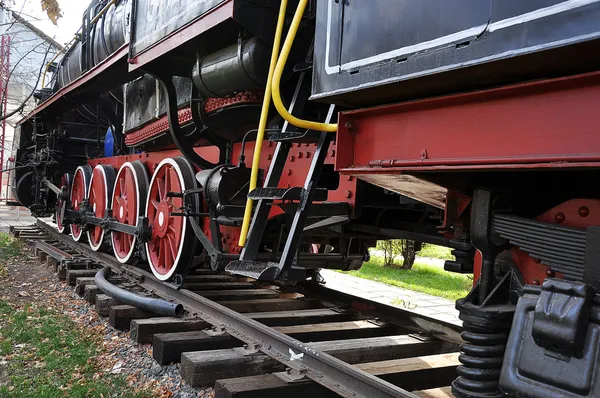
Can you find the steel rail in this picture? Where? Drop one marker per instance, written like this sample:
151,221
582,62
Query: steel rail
304,362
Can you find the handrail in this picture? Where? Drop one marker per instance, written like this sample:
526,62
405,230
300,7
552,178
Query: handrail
262,125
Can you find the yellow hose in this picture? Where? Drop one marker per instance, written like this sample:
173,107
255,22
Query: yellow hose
263,122
285,52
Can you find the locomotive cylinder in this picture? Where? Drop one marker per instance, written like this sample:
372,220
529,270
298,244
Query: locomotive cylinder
237,68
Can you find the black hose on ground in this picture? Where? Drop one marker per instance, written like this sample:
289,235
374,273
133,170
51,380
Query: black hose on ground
158,306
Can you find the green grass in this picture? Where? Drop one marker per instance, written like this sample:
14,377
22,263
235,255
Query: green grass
421,278
434,251
9,247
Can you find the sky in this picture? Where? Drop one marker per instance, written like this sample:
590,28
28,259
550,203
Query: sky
70,22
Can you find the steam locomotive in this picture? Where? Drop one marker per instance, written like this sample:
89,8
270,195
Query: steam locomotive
273,138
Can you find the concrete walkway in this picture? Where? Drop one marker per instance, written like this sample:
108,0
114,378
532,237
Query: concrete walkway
15,216
419,303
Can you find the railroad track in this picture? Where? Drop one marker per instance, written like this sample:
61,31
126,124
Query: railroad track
252,339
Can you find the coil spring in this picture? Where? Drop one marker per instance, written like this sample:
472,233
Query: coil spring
481,357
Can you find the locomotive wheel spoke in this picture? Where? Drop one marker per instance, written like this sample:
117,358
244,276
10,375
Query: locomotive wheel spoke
79,192
172,244
130,189
100,193
61,204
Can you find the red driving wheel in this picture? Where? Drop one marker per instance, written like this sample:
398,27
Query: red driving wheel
172,245
99,195
61,204
131,188
79,190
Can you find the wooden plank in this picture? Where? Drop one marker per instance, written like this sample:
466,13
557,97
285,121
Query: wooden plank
192,279
409,373
444,392
120,316
301,317
74,274
168,347
103,304
242,294
269,305
219,286
90,292
203,368
81,282
42,256
52,263
143,330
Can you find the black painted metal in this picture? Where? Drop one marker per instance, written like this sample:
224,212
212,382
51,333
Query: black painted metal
483,240
285,268
562,248
553,346
158,306
377,52
240,67
185,142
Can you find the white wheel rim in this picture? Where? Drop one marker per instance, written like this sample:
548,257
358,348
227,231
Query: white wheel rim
126,165
175,165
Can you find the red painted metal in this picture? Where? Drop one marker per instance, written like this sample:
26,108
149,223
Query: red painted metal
98,200
294,174
175,40
550,123
167,230
4,76
156,128
161,125
78,194
125,205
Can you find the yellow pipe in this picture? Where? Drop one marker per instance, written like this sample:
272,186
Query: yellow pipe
93,21
102,11
54,58
285,52
262,125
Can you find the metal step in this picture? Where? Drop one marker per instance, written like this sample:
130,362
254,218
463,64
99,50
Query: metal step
308,136
294,193
263,271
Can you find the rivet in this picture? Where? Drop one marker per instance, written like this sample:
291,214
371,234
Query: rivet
559,218
550,273
332,154
289,172
307,155
537,260
300,155
349,126
584,211
269,157
350,178
348,194
292,158
536,281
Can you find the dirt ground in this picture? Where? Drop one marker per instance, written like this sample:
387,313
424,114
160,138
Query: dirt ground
23,280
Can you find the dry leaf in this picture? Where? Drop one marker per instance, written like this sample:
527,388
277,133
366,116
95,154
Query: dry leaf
52,9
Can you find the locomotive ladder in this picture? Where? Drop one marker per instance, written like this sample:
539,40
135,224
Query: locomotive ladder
285,268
